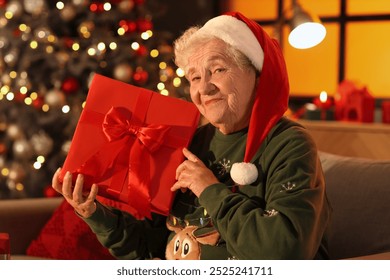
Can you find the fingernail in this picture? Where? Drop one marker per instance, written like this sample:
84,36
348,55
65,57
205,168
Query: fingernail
58,170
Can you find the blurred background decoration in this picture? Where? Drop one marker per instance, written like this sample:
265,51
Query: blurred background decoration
49,50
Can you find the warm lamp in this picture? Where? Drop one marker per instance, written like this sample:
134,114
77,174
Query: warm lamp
307,30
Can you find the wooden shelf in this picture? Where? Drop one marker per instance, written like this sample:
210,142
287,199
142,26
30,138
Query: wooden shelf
368,140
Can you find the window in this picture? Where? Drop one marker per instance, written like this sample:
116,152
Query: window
356,46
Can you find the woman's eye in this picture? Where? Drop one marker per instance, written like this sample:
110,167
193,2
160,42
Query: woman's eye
195,78
219,70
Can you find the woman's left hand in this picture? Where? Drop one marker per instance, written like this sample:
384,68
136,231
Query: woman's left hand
193,174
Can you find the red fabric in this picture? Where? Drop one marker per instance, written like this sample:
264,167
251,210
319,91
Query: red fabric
67,237
271,100
4,243
138,167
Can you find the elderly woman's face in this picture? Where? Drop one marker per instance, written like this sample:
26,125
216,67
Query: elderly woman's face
222,91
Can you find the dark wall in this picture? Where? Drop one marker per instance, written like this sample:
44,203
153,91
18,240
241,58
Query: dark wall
177,15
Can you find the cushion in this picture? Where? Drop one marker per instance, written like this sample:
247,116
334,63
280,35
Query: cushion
359,192
67,237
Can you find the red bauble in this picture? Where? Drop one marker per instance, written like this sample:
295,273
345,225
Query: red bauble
38,102
70,85
68,42
140,77
141,51
144,24
19,97
128,25
96,7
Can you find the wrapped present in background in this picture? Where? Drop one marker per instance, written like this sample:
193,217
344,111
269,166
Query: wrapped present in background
129,142
354,102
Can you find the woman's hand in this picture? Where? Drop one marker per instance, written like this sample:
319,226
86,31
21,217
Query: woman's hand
83,203
193,174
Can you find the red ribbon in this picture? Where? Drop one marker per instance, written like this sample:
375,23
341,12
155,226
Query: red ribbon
119,124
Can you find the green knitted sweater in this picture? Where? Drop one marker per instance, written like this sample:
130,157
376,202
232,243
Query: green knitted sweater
283,215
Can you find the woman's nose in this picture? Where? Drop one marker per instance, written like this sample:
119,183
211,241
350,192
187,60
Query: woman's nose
206,87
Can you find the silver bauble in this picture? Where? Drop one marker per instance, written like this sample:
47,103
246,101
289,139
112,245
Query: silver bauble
42,143
22,149
14,131
55,98
123,72
34,7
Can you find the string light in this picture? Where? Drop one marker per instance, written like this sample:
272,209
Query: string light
91,51
60,5
176,82
135,46
145,35
165,92
107,6
154,53
8,15
5,171
121,31
28,101
160,86
113,46
75,46
23,27
19,187
72,53
33,95
10,96
41,159
13,74
101,46
49,49
65,109
33,44
45,108
37,165
4,89
23,90
162,65
180,72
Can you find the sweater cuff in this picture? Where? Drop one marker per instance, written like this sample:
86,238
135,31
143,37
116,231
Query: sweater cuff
102,220
212,197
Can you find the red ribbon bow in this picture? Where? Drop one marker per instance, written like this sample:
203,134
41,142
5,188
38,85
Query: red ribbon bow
118,123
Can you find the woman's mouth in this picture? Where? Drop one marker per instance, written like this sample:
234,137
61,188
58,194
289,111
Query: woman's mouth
212,101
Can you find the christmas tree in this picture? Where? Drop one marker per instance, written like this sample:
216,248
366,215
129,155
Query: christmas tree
49,51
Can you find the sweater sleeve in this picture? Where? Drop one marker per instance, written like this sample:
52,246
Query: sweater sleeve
288,216
125,236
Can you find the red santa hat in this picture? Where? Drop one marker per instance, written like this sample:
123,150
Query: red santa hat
271,101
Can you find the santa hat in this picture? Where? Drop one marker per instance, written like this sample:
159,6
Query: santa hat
272,92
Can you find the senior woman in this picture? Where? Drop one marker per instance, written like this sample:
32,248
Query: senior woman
251,186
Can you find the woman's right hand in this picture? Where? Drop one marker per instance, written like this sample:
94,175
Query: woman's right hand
83,203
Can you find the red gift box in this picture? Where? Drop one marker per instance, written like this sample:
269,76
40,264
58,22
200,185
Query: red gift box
129,142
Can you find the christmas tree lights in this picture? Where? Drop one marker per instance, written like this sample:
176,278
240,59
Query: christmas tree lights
49,51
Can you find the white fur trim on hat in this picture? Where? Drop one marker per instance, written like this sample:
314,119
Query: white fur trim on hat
236,33
244,173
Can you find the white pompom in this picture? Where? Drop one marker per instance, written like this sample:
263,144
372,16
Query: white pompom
244,173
